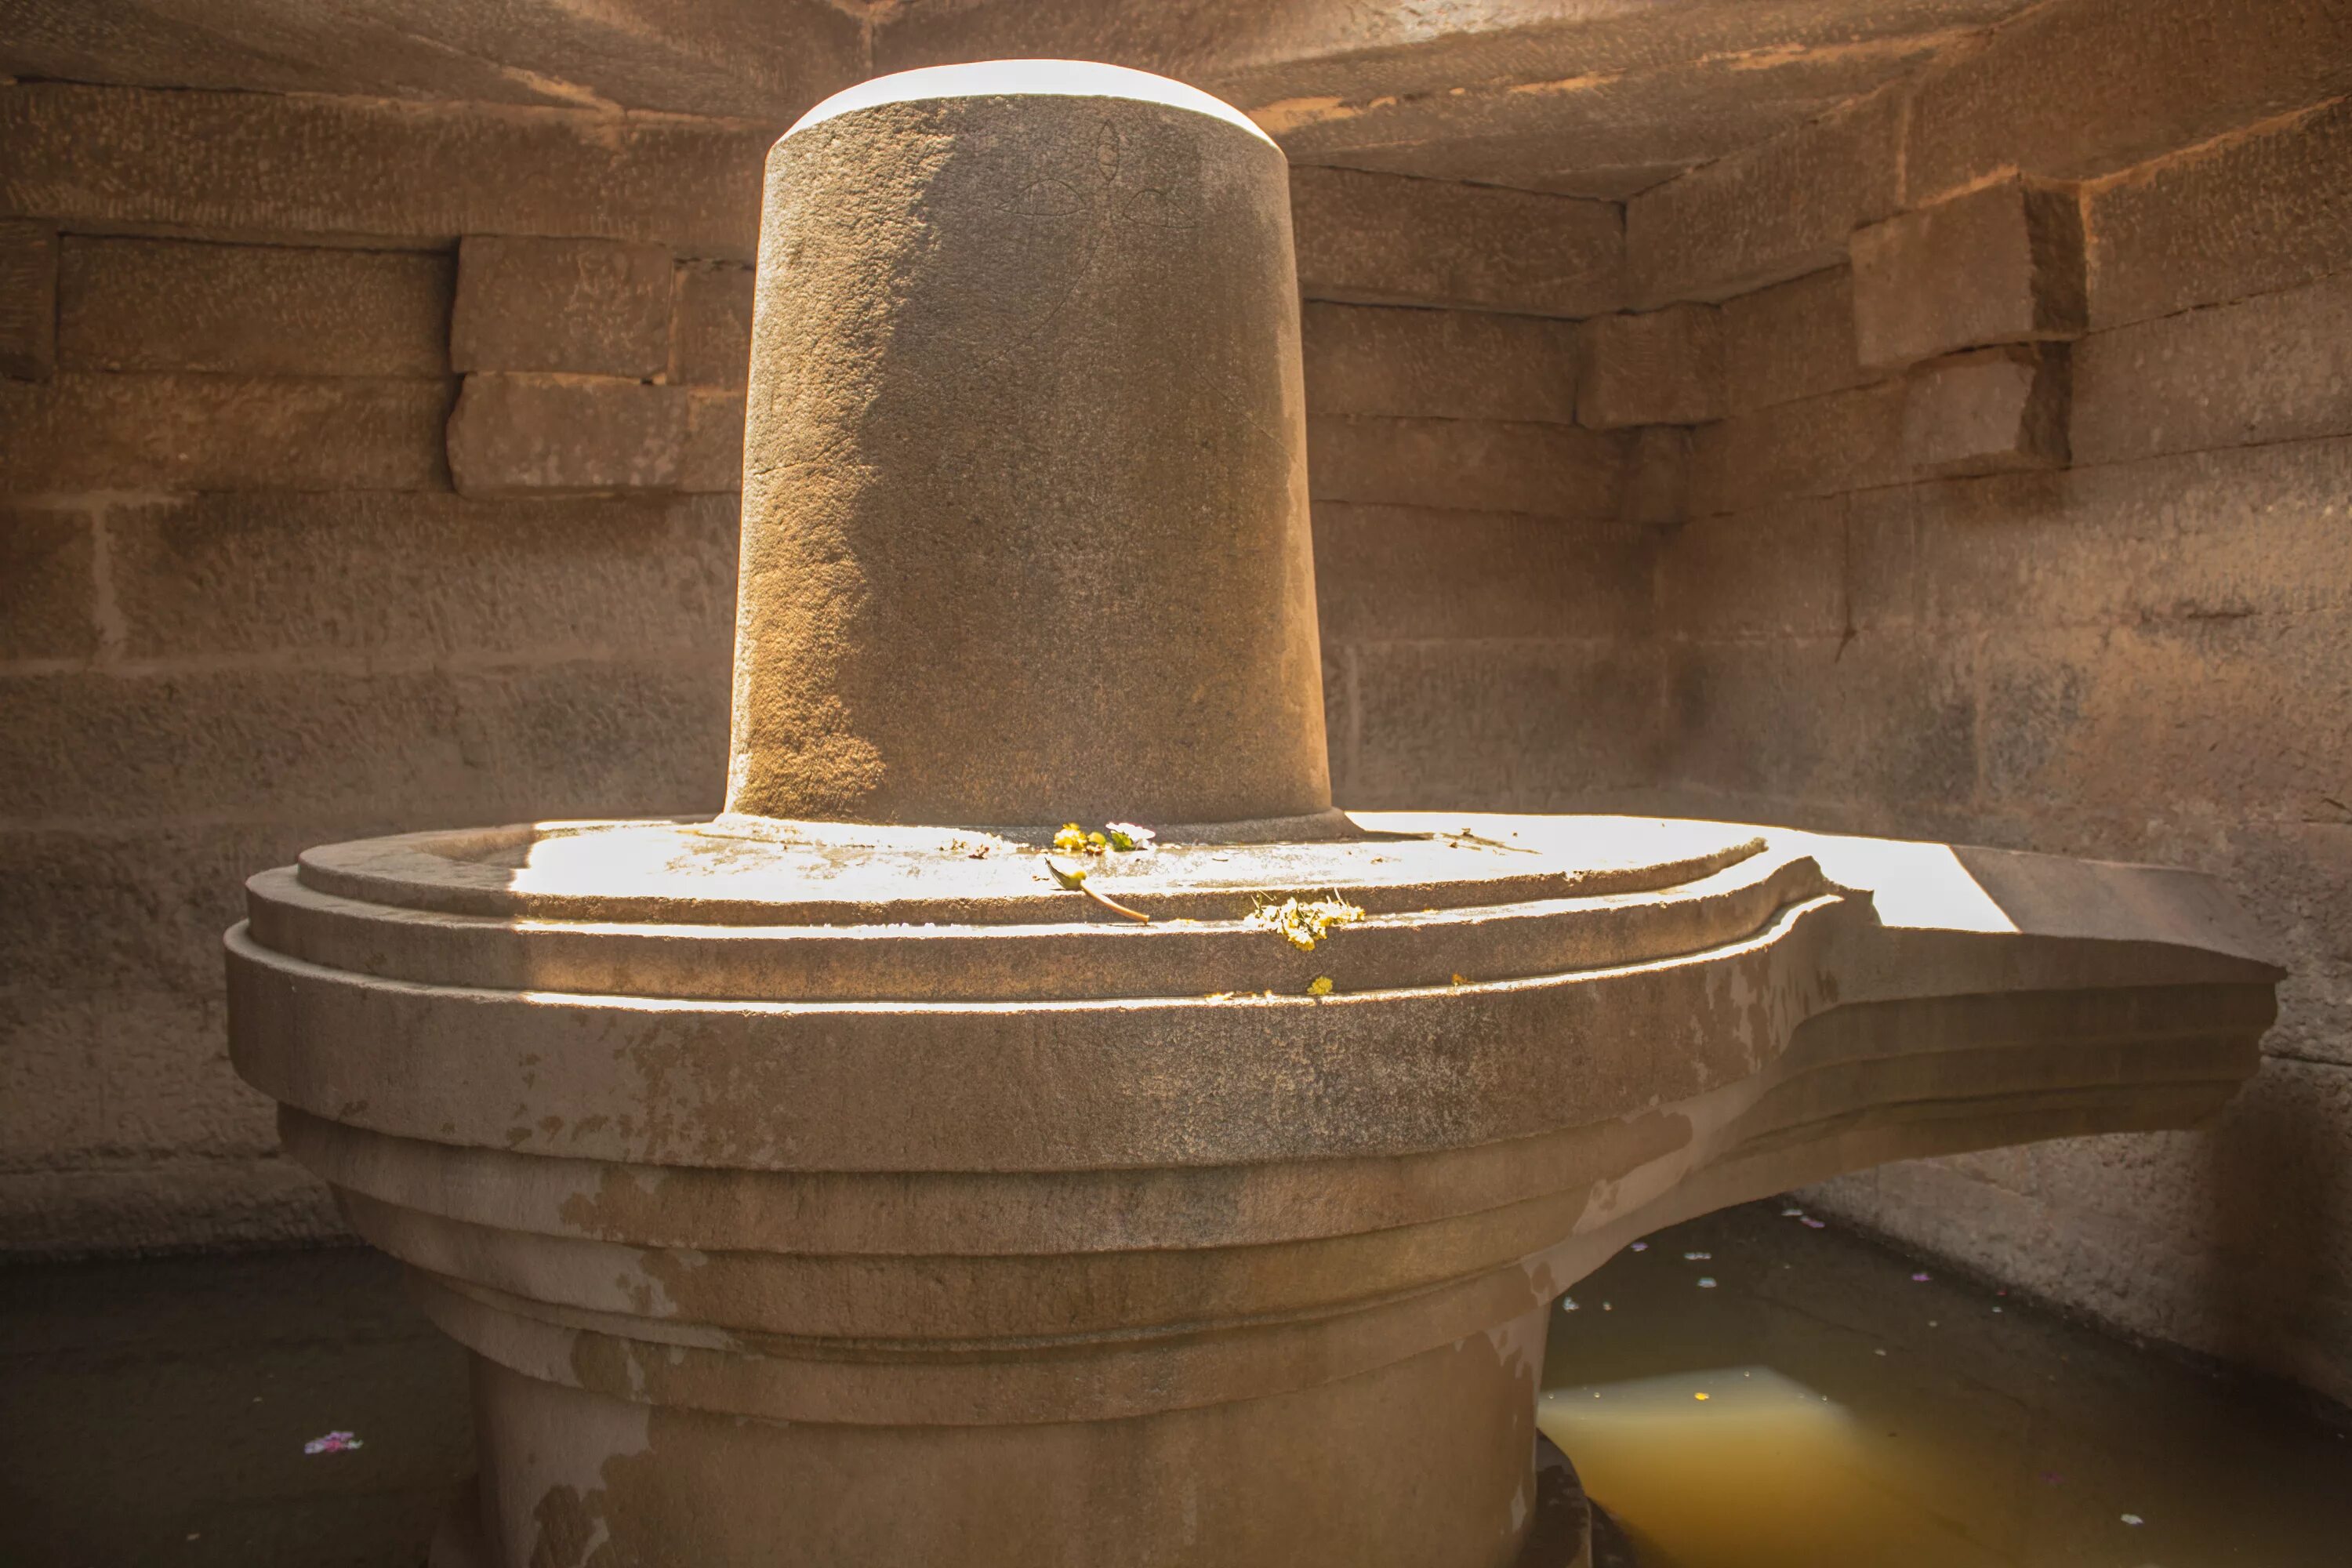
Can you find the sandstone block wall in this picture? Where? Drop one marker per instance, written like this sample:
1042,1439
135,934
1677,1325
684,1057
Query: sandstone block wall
2030,523
361,466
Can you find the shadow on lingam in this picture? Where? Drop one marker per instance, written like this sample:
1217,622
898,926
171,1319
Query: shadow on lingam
880,1174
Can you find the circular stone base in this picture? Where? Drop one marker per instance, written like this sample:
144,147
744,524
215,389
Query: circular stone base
1567,1531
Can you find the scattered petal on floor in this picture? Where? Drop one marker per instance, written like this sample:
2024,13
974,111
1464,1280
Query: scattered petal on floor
1792,1213
2133,1519
1695,1257
332,1443
1706,1281
1816,1223
1698,1397
1639,1246
1567,1303
1918,1280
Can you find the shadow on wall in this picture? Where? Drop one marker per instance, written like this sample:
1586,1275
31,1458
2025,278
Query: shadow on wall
2274,1171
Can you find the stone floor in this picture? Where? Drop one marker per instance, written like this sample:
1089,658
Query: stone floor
157,1413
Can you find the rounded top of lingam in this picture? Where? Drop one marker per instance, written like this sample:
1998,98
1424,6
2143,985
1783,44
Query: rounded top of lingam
1024,499
1027,79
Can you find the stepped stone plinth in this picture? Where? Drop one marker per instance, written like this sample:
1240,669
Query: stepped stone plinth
846,1180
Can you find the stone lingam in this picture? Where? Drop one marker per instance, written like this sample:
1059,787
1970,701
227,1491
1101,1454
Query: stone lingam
854,1179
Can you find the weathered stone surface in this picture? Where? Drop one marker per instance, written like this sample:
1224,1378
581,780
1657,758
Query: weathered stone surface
2248,215
155,304
149,432
530,435
1846,441
1774,574
1107,394
710,336
1522,724
1885,720
698,60
2002,264
1404,573
52,1105
1987,410
713,460
1587,130
1656,486
1446,365
2243,715
2277,367
447,578
587,307
110,906
179,1203
574,740
1388,239
48,589
1761,216
2221,1241
1549,470
1661,367
265,165
2213,536
2088,87
1793,339
28,301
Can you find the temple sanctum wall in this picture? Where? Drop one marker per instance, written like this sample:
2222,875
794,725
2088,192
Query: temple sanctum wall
1970,459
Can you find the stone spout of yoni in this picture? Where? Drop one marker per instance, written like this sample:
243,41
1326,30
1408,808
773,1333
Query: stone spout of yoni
839,1184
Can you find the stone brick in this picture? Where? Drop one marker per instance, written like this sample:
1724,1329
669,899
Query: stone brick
28,301
1656,486
52,1106
2241,717
109,905
154,1068
1791,341
246,165
1549,470
241,1203
1777,572
2090,87
2000,264
710,336
713,460
444,576
1446,365
167,1080
2210,536
1388,239
1991,409
2259,212
1503,725
155,304
526,435
150,432
1885,720
421,748
2277,367
1403,573
587,307
1775,212
48,591
1822,446
1662,367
